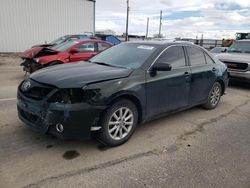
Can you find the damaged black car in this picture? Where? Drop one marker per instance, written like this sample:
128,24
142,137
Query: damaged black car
118,89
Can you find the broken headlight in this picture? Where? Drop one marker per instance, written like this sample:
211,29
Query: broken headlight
36,60
67,96
75,95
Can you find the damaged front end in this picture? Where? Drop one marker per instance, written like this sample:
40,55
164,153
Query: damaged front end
30,65
65,113
31,58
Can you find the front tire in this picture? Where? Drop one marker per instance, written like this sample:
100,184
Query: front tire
214,96
118,123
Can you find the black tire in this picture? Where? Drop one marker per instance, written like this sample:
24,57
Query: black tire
210,104
104,136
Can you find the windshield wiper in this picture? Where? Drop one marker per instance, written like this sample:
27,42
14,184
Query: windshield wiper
236,51
105,64
102,63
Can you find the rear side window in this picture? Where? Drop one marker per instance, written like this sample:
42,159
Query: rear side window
196,56
174,56
102,46
208,59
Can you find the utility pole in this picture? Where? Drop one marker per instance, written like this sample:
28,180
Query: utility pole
160,24
126,39
147,28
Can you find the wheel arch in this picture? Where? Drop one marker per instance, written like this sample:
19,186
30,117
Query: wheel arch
131,97
221,82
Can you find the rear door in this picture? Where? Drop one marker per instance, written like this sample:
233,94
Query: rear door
168,90
203,74
85,52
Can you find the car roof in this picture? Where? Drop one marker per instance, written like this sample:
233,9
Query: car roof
92,40
162,43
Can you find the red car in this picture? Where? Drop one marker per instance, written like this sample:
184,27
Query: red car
67,52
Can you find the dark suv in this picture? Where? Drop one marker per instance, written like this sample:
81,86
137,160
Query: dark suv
119,88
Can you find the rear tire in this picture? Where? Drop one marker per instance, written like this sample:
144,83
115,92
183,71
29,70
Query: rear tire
118,123
213,96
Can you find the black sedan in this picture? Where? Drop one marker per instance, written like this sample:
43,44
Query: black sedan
121,87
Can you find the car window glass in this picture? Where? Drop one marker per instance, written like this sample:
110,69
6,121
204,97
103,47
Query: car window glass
102,46
208,59
196,56
64,46
127,55
174,56
86,47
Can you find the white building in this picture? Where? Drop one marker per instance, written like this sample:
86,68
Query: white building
24,23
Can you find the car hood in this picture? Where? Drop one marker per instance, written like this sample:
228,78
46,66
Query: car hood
76,75
38,52
234,57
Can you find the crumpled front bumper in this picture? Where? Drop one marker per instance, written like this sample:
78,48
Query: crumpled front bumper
30,65
77,119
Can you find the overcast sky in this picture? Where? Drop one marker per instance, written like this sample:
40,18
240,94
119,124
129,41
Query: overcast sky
181,18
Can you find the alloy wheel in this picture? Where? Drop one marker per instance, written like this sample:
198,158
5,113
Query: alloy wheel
120,123
215,95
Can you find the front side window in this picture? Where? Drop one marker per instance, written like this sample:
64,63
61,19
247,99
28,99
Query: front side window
196,56
174,56
86,47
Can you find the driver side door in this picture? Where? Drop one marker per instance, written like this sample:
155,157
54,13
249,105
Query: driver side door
168,90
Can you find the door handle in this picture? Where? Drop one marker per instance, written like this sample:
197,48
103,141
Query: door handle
186,74
213,69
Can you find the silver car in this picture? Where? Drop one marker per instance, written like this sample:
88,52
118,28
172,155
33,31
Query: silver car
237,59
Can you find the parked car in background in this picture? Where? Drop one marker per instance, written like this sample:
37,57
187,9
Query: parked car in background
109,38
67,52
237,60
217,50
62,40
242,36
119,88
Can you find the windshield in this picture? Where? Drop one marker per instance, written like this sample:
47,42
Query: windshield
59,40
240,47
65,45
127,55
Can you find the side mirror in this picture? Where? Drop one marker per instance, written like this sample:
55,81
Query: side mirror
162,67
73,51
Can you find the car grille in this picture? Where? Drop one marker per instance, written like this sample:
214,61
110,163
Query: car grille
236,65
37,91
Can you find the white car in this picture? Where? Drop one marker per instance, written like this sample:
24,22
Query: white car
237,60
